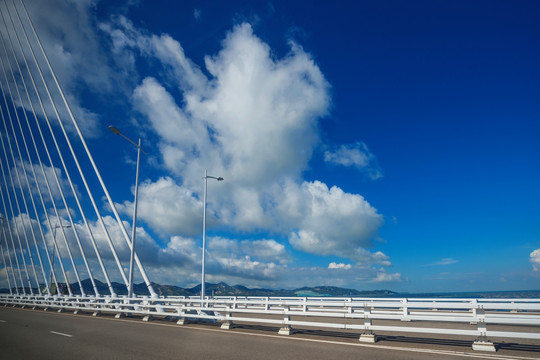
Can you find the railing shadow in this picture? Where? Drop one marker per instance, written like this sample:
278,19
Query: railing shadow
460,343
426,340
519,347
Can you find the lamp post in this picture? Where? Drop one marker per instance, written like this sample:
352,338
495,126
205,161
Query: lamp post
132,257
205,178
55,248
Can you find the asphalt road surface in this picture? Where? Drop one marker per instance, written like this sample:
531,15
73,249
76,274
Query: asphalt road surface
36,334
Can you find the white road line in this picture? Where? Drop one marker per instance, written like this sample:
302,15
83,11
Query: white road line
3,321
59,333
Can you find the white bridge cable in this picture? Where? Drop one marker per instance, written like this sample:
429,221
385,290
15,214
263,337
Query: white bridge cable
56,248
21,214
100,218
5,220
68,248
67,174
83,141
22,162
89,271
3,239
6,267
37,152
38,187
13,216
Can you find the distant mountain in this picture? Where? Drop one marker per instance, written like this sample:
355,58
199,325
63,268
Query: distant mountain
337,291
223,289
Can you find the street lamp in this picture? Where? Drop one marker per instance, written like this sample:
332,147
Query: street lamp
205,178
132,257
56,248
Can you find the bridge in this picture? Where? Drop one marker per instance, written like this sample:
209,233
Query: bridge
53,234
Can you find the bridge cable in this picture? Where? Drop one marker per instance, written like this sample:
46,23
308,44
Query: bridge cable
16,170
83,141
43,170
69,214
38,187
3,235
100,218
13,216
68,248
22,160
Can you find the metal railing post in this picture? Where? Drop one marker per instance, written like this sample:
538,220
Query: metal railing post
367,336
286,326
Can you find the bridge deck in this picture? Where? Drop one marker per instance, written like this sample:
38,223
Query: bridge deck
26,333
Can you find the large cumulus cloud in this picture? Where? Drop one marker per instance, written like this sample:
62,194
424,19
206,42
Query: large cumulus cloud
252,118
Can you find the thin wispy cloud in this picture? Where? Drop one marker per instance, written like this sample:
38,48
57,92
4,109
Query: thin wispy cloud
197,13
444,262
355,155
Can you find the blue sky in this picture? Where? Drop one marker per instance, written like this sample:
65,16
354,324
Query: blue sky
364,144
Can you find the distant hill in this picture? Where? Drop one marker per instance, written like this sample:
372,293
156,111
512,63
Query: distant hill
223,289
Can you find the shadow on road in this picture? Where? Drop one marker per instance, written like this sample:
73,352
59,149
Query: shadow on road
460,343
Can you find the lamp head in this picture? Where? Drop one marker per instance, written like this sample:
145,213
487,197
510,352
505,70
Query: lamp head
114,130
220,179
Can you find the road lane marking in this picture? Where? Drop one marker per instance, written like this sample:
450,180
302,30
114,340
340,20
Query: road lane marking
59,333
3,321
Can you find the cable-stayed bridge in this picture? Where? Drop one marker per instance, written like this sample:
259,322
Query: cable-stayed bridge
53,231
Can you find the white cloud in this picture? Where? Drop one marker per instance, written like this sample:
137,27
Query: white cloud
197,14
334,265
263,249
355,155
255,123
178,252
268,249
68,34
383,276
258,260
336,223
534,258
444,261
181,138
51,173
256,117
168,208
264,111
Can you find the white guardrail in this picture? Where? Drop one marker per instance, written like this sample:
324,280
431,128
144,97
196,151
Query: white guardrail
506,318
